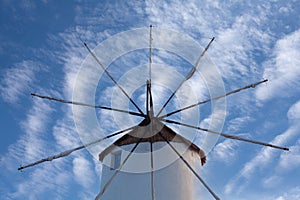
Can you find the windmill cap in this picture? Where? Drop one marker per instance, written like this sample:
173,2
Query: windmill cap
160,133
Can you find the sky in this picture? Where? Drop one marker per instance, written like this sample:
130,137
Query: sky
42,52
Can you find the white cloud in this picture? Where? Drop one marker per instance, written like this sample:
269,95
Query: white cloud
64,131
35,127
294,112
181,15
290,160
71,54
52,178
238,37
283,70
292,194
31,146
83,172
110,14
45,179
236,124
17,81
260,161
235,45
272,181
264,157
225,151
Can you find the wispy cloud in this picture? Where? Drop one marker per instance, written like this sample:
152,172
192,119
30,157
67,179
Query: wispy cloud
35,127
64,132
83,172
17,81
46,178
31,146
283,69
264,157
294,112
260,161
35,144
236,124
237,37
225,151
292,194
291,160
272,181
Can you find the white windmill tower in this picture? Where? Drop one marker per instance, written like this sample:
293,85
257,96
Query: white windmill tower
170,182
155,143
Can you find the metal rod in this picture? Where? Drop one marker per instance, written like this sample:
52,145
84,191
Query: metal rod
150,112
99,196
87,105
110,76
150,53
147,97
233,137
191,73
68,152
190,167
215,98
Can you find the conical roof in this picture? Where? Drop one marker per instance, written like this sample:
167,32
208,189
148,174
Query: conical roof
148,131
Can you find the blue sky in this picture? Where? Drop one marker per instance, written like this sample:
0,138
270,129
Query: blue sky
41,51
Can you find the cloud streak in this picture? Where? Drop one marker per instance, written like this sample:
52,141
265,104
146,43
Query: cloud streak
17,80
264,157
283,70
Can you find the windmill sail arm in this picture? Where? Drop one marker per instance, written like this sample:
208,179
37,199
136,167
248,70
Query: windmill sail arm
191,73
150,54
112,78
68,152
253,85
228,135
85,104
50,158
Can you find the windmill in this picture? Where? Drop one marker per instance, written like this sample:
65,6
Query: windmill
147,136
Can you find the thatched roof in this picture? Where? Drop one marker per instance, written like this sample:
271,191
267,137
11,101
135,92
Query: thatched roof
143,133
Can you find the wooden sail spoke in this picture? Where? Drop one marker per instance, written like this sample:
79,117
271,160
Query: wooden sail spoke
112,78
87,105
68,152
190,74
233,137
253,85
150,53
